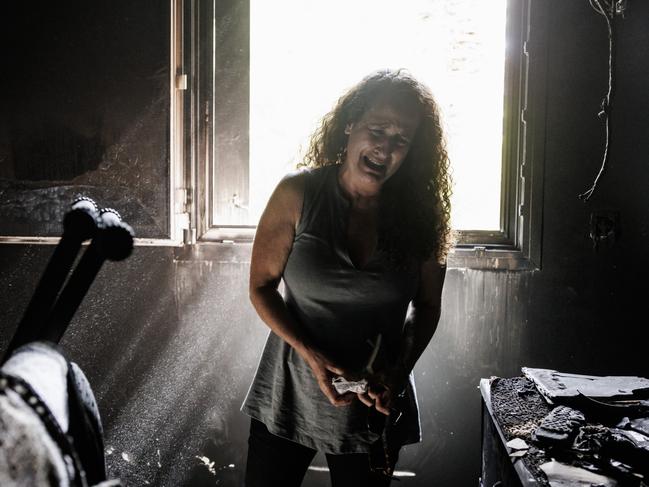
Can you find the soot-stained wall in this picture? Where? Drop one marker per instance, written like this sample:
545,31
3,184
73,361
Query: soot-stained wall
170,343
84,102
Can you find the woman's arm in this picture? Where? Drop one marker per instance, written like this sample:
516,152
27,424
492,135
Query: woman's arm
419,327
423,318
270,251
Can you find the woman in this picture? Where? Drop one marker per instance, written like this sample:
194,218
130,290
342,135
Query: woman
358,237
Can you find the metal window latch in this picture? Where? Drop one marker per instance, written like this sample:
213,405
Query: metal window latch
480,251
182,216
189,236
181,81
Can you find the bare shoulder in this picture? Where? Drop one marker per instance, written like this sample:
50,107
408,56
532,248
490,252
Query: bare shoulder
291,188
276,231
431,282
286,200
294,180
433,268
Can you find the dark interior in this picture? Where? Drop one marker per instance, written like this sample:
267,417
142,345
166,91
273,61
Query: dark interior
168,339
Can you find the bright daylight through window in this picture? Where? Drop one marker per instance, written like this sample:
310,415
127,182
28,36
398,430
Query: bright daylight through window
300,66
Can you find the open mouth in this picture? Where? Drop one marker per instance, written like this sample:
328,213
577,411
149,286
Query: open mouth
378,169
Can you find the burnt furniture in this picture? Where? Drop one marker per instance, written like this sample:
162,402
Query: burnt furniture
569,429
498,468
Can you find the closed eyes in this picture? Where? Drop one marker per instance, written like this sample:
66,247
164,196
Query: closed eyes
399,140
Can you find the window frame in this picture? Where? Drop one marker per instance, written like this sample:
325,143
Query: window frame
516,246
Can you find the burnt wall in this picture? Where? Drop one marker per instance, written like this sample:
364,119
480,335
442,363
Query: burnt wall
85,110
170,342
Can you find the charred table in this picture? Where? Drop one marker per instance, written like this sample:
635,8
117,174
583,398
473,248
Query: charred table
515,410
544,426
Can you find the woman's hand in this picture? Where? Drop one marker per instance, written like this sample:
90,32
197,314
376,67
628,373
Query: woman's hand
324,370
379,397
382,390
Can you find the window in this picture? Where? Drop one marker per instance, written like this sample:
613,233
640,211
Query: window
249,111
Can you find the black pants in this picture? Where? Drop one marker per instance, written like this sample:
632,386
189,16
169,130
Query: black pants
278,462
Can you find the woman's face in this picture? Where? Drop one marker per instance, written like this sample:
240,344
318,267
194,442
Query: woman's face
379,142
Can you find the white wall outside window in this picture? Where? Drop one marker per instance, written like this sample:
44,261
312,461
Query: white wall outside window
304,54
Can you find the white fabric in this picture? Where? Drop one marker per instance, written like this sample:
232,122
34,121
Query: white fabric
46,371
28,456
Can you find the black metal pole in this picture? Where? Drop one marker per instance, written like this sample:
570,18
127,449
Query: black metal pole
114,241
79,224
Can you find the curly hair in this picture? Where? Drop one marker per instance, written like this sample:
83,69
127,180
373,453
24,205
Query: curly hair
415,208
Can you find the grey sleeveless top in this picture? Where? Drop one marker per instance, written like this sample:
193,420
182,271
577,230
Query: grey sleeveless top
342,308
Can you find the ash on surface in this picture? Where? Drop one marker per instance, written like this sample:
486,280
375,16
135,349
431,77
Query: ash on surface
519,410
518,407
